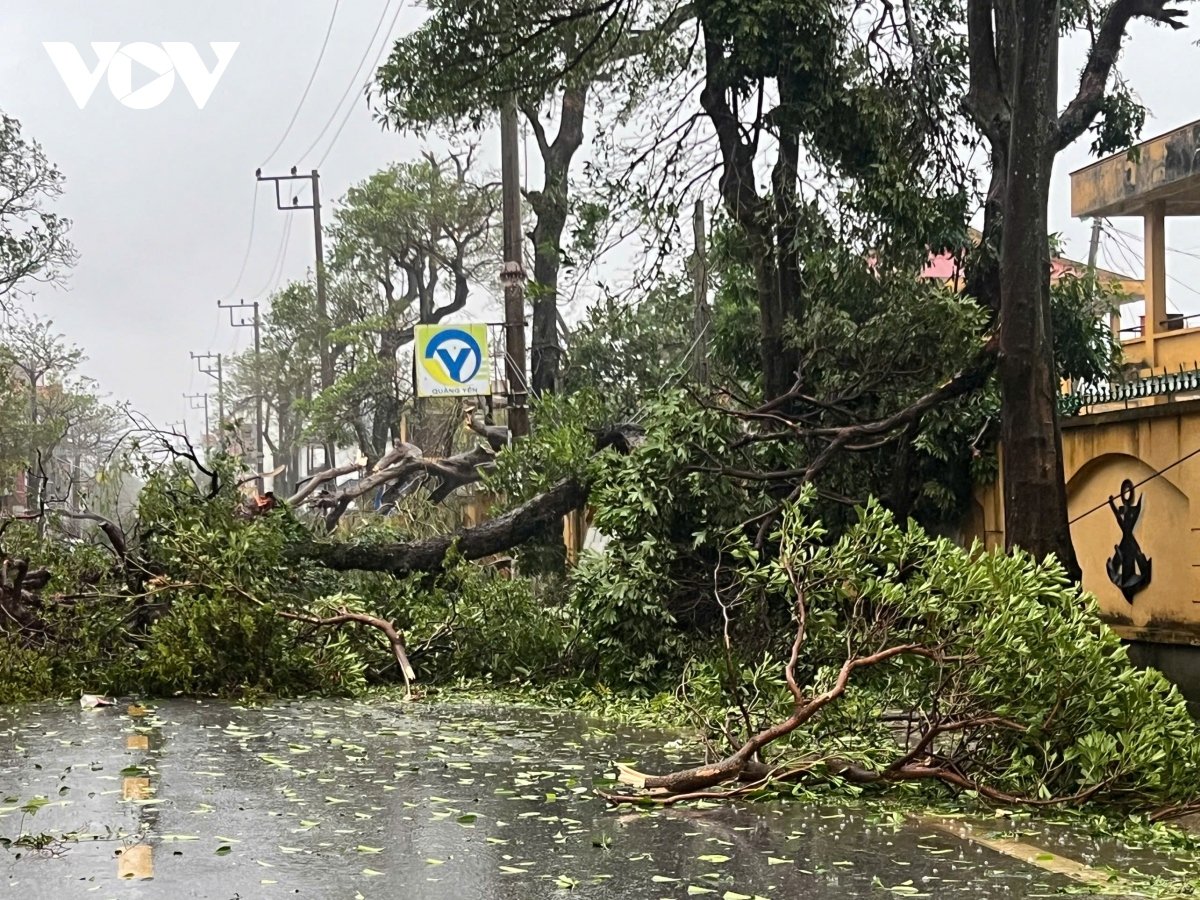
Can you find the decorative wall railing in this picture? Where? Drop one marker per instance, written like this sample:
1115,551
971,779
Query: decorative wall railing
1128,390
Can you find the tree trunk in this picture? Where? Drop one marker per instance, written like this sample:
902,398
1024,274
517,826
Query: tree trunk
783,362
1035,494
552,205
777,300
428,554
779,359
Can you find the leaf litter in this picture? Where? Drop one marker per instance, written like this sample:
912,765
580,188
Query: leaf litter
459,767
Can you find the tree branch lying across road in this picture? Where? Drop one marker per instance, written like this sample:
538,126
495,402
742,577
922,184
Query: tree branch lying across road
429,554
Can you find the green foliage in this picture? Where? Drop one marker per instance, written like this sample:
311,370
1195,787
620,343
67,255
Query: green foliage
1016,640
666,520
86,638
33,240
690,591
54,421
1120,122
459,67
559,448
197,609
476,623
1085,347
630,352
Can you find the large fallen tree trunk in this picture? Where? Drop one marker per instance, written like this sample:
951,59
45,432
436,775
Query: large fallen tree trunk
516,526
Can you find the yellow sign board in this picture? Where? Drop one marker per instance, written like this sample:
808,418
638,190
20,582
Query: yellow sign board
452,360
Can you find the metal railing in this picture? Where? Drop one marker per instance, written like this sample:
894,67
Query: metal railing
1128,390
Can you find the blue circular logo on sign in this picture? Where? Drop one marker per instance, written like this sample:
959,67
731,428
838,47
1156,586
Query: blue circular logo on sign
458,352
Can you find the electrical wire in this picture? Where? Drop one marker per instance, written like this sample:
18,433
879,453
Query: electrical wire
1141,261
287,231
675,377
249,246
307,87
378,56
1150,477
353,81
1140,239
287,246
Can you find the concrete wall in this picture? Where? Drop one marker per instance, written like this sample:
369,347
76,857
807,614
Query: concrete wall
1100,450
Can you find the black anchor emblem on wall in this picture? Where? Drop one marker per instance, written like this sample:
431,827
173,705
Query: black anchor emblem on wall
1129,569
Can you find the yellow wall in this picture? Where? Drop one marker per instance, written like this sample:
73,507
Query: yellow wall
1172,350
1100,451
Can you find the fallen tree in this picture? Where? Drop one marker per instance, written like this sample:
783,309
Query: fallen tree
396,474
913,659
895,657
504,532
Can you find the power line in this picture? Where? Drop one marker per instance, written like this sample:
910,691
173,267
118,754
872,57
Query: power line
1141,261
311,79
374,66
249,245
1151,477
287,230
287,244
353,79
1142,240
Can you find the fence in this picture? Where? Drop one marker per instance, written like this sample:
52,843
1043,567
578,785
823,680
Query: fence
1128,390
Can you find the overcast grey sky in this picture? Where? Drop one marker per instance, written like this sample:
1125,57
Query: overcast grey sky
161,198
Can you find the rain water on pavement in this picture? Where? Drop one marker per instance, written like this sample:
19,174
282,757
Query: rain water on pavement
361,801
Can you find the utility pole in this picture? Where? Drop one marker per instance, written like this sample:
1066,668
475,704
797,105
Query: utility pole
702,315
253,322
1114,318
218,373
204,397
322,297
512,275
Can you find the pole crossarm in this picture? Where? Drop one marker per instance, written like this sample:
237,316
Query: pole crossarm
219,374
277,180
243,323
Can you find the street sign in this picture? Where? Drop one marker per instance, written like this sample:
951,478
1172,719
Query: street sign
452,360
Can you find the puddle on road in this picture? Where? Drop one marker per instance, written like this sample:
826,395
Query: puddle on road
330,800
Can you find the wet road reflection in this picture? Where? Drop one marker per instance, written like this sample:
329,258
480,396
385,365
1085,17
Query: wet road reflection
345,800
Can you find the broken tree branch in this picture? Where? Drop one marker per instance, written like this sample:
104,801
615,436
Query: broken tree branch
1087,102
389,630
706,776
112,531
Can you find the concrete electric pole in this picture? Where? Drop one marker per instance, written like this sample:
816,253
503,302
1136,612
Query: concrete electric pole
217,373
253,322
204,405
512,275
314,179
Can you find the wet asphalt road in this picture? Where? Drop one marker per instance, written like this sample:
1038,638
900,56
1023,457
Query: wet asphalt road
365,802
